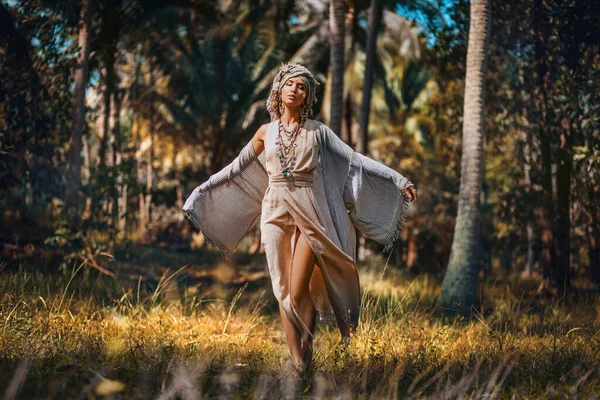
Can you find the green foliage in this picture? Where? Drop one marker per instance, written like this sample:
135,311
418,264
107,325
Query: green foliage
193,76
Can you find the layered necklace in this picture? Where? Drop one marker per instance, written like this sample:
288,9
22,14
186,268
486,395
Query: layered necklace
286,144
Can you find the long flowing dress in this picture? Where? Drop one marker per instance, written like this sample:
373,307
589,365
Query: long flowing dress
335,191
289,207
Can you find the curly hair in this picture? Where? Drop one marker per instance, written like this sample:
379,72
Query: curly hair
287,71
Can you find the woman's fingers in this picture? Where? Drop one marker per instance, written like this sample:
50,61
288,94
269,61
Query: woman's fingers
410,193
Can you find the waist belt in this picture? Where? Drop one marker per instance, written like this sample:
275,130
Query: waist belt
302,179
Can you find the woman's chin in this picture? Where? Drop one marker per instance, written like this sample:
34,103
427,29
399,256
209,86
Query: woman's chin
292,106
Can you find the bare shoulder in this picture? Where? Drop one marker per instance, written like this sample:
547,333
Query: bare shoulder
260,132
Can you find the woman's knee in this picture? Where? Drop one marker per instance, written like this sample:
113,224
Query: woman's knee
299,298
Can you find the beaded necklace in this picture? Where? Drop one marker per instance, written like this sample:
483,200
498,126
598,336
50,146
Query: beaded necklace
287,156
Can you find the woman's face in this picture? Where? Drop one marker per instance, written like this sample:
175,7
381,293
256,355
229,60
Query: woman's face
293,92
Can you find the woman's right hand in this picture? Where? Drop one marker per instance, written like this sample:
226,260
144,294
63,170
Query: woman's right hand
410,192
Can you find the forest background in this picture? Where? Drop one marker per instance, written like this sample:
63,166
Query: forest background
113,111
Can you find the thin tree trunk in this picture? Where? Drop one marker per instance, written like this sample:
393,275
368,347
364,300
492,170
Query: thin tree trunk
593,243
219,133
347,125
116,160
179,189
123,211
178,185
531,239
547,215
149,184
87,175
349,130
593,230
109,60
150,173
460,283
411,253
336,40
78,111
365,105
564,171
506,257
564,167
139,156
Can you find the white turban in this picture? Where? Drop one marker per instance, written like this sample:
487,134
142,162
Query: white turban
287,71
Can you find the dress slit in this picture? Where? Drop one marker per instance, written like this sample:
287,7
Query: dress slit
289,208
298,321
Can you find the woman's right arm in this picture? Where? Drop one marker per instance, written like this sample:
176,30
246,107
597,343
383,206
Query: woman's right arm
258,140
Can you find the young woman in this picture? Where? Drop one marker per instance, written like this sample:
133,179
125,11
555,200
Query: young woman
311,192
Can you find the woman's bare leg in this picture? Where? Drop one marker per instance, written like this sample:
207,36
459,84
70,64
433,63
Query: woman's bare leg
293,336
303,264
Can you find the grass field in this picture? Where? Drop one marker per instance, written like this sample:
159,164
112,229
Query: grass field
190,326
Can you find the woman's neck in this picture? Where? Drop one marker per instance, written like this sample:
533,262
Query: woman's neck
290,117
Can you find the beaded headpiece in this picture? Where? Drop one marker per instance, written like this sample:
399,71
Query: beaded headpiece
287,71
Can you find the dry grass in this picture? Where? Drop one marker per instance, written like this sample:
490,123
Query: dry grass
211,330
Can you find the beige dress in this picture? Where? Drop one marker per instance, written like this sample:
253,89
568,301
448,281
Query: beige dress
288,207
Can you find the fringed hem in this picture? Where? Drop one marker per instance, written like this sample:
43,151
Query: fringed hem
401,215
328,318
228,253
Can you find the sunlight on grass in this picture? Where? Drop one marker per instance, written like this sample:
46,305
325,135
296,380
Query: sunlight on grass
79,332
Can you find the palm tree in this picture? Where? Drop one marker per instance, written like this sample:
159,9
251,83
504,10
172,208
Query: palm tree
365,105
210,97
396,45
336,52
459,286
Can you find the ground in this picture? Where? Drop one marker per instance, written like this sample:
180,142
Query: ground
192,325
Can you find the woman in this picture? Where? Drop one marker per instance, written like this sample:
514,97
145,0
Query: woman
310,191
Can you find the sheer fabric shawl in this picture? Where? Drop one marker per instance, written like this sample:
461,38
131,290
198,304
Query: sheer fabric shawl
351,190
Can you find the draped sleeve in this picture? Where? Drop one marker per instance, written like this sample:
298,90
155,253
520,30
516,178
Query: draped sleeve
371,192
228,204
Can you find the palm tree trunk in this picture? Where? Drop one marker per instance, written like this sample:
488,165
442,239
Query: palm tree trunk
78,111
336,40
460,283
365,105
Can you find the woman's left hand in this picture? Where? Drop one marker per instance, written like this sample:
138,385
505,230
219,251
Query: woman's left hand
410,193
